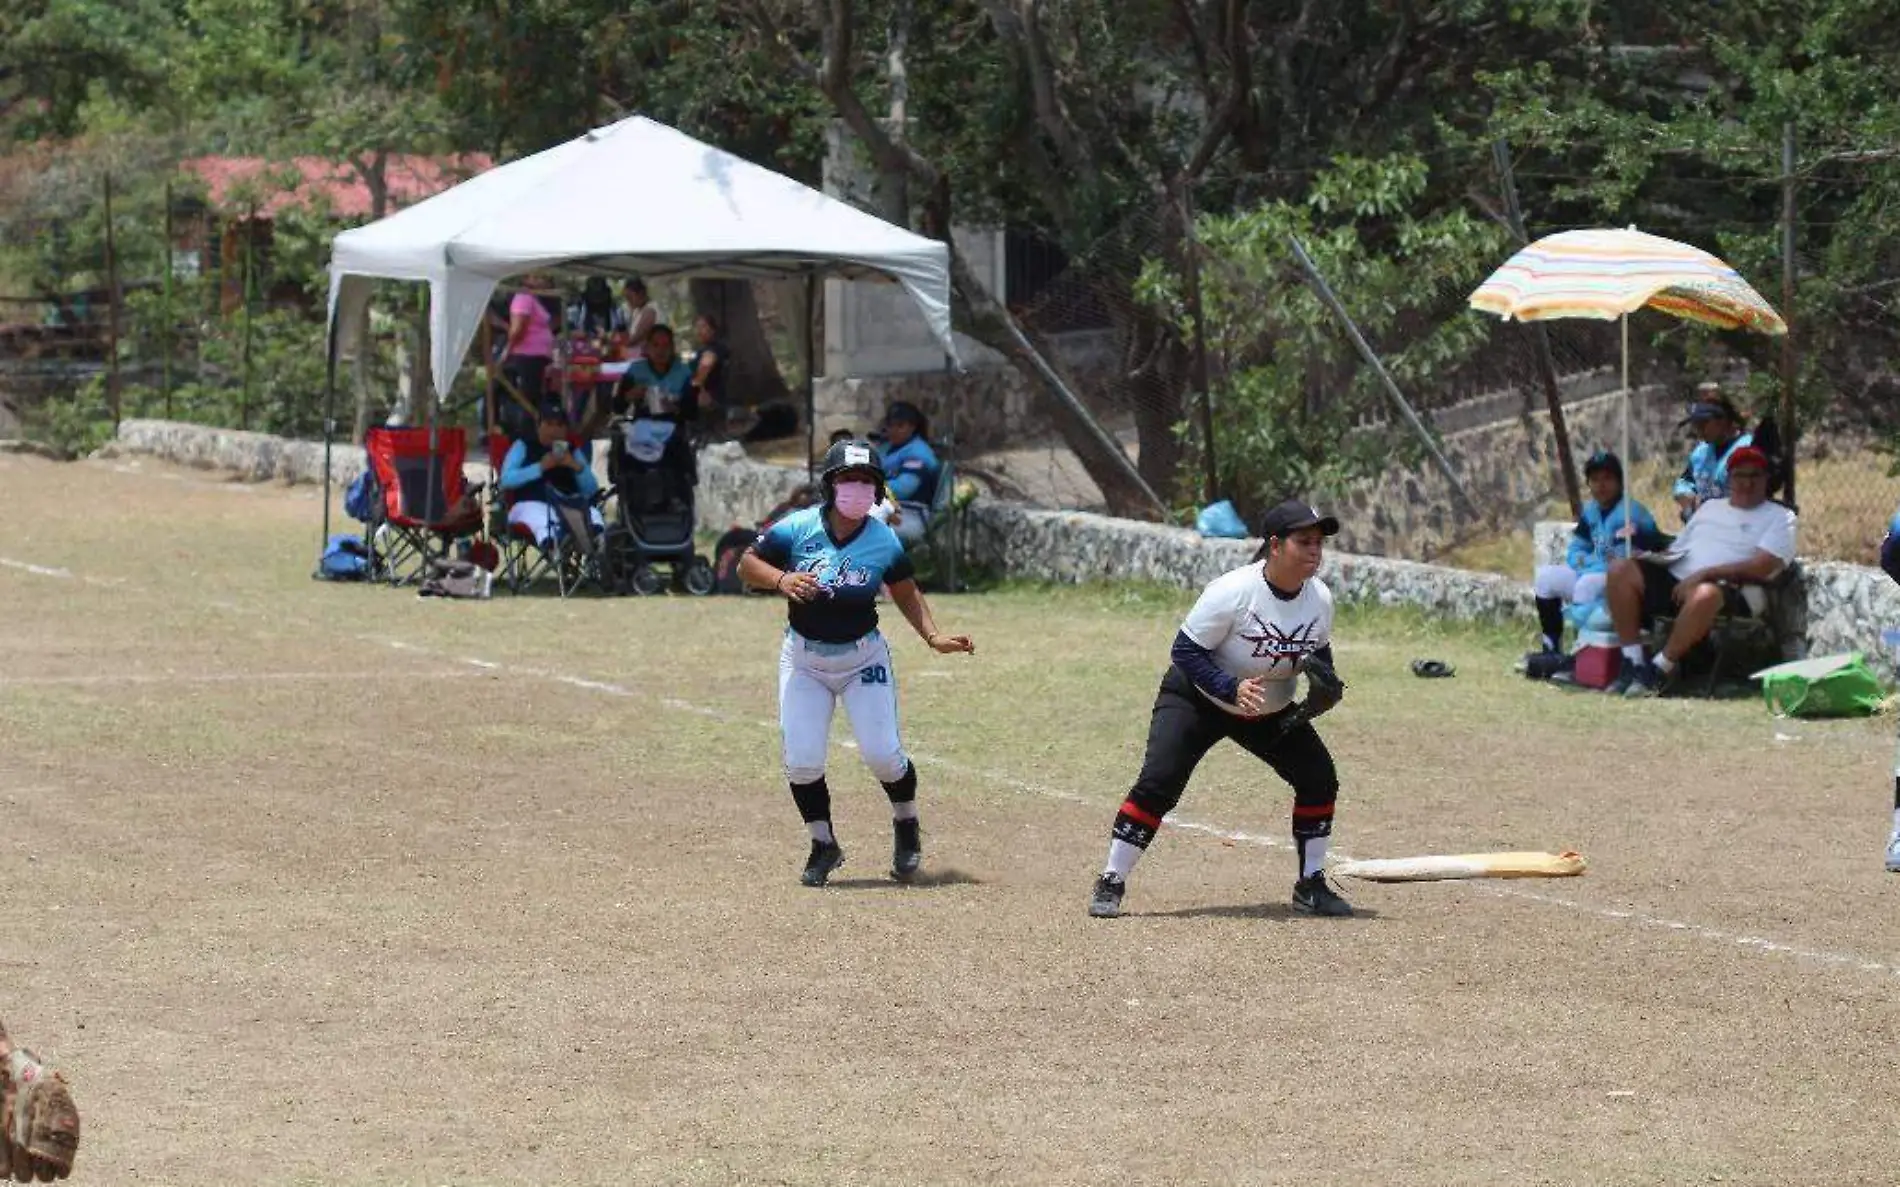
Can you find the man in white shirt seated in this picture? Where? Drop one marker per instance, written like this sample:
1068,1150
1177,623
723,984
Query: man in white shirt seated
1721,560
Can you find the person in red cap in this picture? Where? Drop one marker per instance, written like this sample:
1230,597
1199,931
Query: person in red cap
1724,555
1249,636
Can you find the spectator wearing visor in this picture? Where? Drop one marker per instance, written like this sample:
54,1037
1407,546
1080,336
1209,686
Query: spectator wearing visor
1719,427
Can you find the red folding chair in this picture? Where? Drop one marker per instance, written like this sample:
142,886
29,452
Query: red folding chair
426,503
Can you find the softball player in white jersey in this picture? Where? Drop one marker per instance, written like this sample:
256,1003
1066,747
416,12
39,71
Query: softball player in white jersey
829,562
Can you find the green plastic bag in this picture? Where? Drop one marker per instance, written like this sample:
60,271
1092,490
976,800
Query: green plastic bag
1831,686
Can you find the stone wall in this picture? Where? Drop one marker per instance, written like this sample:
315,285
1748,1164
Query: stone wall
1507,473
735,491
1846,606
1076,546
983,408
1014,540
252,457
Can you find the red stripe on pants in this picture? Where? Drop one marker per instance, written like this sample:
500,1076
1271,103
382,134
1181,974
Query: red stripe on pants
1132,810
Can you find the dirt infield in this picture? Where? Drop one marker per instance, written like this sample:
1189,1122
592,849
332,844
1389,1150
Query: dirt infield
318,884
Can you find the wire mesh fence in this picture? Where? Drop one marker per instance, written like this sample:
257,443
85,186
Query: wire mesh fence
1487,404
213,314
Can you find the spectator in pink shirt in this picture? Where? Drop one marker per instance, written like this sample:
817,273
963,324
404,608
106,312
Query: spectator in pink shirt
530,347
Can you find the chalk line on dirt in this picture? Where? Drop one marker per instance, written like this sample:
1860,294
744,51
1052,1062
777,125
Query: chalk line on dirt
1760,945
124,678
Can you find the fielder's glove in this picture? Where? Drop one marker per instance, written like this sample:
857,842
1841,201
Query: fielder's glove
1324,688
39,1127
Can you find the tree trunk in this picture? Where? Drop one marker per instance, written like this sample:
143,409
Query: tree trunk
1150,382
752,376
892,190
978,314
375,179
359,378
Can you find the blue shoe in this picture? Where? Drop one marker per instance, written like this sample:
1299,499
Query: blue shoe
1645,680
1626,670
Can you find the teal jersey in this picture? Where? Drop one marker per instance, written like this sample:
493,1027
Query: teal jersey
850,570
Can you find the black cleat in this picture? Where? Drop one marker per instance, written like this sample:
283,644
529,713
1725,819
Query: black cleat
826,856
907,849
1311,896
1106,902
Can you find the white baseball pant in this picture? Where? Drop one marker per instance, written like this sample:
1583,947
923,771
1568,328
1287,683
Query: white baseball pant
812,678
540,519
1562,581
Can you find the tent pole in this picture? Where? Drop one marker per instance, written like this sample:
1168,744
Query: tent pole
435,432
1629,541
950,437
488,374
329,430
811,369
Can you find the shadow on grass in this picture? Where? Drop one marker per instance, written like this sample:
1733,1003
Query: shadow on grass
924,880
1275,912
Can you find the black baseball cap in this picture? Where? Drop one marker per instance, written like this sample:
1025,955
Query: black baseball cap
1711,408
1293,516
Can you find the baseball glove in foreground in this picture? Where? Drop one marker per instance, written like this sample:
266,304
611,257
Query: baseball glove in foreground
39,1125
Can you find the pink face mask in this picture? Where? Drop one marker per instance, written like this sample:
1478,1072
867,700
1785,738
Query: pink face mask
854,500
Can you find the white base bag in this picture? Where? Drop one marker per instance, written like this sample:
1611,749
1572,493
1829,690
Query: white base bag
1567,864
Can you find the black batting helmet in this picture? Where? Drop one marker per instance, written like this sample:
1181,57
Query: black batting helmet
847,456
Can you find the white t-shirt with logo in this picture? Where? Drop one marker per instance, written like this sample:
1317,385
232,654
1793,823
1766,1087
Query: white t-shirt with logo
1251,632
1723,534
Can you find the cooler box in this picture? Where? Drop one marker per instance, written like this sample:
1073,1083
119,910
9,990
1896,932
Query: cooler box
1597,665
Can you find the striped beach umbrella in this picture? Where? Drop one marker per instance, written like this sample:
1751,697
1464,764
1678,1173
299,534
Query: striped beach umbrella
1606,274
1610,274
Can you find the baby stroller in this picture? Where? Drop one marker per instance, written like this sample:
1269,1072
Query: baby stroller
653,472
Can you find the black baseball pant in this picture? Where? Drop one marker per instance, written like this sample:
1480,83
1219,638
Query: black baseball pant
1184,727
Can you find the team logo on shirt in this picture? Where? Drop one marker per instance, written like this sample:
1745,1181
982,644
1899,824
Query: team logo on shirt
1270,641
837,572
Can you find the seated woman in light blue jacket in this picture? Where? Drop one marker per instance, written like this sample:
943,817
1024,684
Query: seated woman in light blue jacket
1598,538
911,470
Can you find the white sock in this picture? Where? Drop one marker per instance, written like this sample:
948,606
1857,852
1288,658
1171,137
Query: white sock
1122,858
1313,855
1633,652
904,811
1664,664
821,831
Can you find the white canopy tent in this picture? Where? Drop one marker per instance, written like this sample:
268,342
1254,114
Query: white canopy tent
633,197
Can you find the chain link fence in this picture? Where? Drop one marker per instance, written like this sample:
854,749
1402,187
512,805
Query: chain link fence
214,314
1487,408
